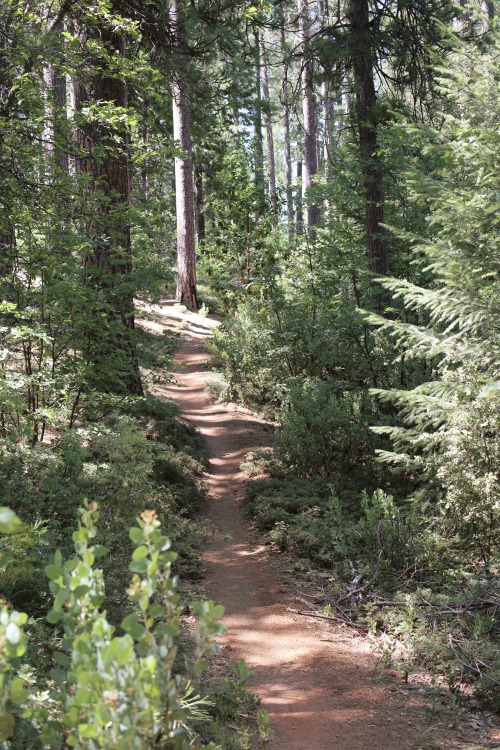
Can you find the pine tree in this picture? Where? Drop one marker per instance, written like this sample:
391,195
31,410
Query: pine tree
450,423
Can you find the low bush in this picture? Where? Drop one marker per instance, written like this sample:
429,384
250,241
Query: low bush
144,457
324,429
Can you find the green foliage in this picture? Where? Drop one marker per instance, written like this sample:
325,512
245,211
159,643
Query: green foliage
322,431
330,526
449,429
109,691
147,456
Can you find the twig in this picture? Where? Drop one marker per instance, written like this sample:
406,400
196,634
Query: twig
475,669
375,573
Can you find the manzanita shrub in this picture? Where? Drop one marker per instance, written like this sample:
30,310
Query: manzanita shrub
112,691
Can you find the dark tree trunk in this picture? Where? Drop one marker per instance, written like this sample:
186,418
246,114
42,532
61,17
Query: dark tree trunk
200,208
184,193
366,114
7,240
104,157
271,164
299,228
257,122
309,117
287,139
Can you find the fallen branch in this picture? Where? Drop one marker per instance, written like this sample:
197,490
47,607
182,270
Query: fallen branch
451,608
325,617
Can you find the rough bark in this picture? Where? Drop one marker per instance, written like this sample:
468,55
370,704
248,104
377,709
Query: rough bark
108,265
184,193
299,226
366,115
288,170
271,163
55,114
200,208
257,122
287,143
309,117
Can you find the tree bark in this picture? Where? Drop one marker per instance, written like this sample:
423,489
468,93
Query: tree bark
288,170
257,122
299,228
271,163
366,114
103,156
184,194
309,117
200,208
287,140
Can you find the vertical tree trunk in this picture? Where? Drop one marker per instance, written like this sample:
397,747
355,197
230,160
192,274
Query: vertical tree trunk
200,209
326,102
184,193
288,170
299,229
104,157
288,149
309,117
7,242
257,122
271,164
145,182
366,101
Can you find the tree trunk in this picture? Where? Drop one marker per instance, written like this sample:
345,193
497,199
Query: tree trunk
288,150
200,209
271,164
184,194
299,229
103,156
257,122
309,117
288,170
7,243
366,101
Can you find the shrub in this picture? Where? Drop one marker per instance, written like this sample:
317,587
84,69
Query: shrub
323,430
109,691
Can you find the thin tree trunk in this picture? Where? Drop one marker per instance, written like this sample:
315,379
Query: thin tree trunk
288,171
288,150
144,171
327,103
298,200
184,193
366,101
7,240
309,117
200,209
271,163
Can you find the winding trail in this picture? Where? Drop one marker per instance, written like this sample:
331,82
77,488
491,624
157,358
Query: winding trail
320,683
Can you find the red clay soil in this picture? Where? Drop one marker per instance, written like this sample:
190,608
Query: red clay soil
320,683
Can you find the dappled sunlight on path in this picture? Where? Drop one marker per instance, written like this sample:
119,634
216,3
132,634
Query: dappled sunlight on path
318,681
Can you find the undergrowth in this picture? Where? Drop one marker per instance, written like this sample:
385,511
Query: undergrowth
386,570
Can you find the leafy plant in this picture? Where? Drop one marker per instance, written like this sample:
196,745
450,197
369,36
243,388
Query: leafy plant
111,691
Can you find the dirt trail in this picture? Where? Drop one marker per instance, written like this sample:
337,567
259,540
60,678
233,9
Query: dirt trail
320,683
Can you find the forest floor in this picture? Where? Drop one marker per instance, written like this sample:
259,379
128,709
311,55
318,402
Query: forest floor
321,683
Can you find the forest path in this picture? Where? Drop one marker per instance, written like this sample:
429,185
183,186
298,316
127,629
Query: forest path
319,682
